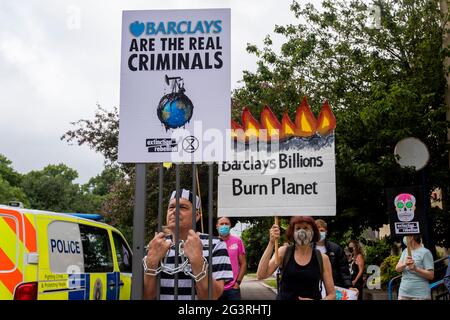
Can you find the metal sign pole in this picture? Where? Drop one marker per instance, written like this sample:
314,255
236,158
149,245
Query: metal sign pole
194,211
137,284
160,222
210,228
177,227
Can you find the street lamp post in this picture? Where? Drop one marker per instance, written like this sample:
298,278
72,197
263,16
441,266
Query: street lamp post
411,152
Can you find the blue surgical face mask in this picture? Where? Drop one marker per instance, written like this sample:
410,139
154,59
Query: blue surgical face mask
405,241
224,230
323,235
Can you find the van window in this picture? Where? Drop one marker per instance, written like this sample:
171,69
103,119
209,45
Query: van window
9,243
64,247
123,253
96,249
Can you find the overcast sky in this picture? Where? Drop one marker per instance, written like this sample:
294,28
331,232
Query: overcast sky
58,58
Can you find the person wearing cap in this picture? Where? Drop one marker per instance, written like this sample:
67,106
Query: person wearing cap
236,251
196,250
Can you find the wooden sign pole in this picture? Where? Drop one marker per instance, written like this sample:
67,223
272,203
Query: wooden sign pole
277,258
408,247
199,195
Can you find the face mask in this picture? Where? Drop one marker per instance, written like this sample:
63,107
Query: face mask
405,241
323,235
350,250
303,237
224,230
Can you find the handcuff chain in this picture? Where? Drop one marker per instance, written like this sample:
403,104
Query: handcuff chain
184,266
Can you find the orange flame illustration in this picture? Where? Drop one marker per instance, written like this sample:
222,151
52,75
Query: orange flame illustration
251,125
270,123
327,120
305,122
287,127
237,132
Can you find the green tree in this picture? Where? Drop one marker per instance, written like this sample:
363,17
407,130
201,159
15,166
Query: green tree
384,83
8,173
52,188
9,193
100,134
256,238
255,241
10,183
101,184
377,251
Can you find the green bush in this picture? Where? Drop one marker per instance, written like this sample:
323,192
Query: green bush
256,238
387,269
377,251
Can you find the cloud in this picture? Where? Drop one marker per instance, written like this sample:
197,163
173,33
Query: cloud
58,58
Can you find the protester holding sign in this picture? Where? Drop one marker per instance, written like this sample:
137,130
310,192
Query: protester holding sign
416,269
194,248
304,269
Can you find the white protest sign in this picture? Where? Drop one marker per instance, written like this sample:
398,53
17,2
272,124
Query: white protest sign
289,177
175,85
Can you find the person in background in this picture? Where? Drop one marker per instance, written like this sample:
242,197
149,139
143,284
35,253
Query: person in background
348,255
357,267
338,259
236,251
417,270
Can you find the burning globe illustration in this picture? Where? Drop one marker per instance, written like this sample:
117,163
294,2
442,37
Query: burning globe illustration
175,109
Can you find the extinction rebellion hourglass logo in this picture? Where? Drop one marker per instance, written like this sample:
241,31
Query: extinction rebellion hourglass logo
175,109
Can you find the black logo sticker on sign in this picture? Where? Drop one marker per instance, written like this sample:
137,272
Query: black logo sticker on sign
161,145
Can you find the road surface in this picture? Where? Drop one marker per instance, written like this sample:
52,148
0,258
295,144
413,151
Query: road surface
252,289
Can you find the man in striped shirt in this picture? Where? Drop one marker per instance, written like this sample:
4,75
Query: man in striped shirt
196,251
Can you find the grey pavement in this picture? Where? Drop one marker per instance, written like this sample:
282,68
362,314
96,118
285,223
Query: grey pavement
253,289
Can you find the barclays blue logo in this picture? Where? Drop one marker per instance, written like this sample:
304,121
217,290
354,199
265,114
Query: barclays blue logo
176,27
137,28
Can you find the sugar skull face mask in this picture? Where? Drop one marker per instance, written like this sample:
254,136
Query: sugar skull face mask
303,237
405,204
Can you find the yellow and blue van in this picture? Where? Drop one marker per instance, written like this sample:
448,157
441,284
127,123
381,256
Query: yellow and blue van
53,256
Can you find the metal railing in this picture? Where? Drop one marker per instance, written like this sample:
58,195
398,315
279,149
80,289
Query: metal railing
139,227
439,291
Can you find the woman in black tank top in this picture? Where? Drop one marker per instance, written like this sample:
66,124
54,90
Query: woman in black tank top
301,281
301,277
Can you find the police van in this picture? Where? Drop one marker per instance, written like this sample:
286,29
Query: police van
53,256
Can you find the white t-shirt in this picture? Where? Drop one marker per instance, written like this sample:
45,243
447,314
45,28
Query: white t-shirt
322,249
